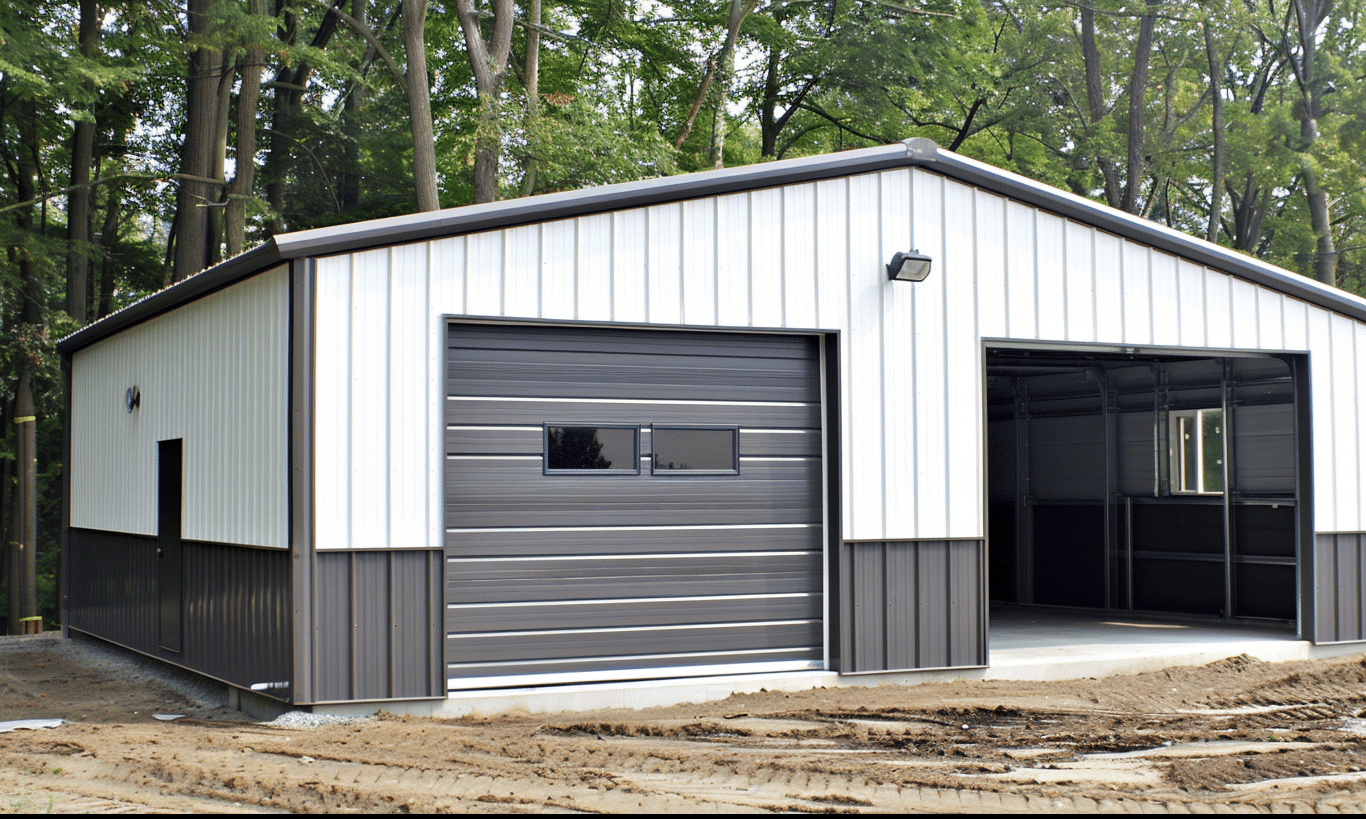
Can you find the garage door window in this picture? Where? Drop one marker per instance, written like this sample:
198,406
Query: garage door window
695,450
598,450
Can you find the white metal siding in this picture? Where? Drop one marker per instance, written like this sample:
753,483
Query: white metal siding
213,373
807,256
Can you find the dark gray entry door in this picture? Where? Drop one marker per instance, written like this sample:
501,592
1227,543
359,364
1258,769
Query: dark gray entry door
170,458
627,504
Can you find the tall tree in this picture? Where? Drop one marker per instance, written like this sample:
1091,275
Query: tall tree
419,104
194,244
488,60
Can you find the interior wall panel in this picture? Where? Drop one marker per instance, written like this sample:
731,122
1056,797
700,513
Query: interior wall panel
213,373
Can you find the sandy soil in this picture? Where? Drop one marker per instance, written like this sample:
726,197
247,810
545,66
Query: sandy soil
1238,735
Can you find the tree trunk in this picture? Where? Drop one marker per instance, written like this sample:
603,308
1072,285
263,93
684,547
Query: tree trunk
213,238
243,181
1309,16
196,160
1095,100
23,540
739,10
419,104
489,62
108,266
533,90
23,547
1216,204
355,101
78,201
1138,85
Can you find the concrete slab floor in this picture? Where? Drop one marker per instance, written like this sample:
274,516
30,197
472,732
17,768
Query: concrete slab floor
1027,642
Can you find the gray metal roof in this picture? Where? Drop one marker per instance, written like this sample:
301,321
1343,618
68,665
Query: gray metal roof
922,153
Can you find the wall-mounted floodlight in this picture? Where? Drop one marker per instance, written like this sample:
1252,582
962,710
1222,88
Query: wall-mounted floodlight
908,267
132,399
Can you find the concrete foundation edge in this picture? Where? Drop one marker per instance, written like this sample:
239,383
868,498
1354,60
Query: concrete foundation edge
659,693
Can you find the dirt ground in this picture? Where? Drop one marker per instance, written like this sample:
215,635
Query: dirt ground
1239,735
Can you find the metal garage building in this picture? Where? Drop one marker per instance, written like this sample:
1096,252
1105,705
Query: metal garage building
688,428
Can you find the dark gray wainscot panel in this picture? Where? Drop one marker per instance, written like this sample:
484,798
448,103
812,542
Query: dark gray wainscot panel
1339,587
378,634
236,609
912,604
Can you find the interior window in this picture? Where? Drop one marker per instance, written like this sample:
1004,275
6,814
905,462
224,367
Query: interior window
1197,464
598,449
711,450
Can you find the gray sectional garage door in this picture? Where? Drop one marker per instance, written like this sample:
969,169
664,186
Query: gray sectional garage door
628,504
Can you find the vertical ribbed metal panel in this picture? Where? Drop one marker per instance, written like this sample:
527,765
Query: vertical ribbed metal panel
211,372
1340,593
1051,276
964,432
334,654
799,257
378,632
236,605
559,283
863,368
913,604
917,339
933,615
629,238
991,284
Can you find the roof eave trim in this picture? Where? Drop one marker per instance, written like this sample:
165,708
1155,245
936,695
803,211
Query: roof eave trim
415,227
924,153
258,259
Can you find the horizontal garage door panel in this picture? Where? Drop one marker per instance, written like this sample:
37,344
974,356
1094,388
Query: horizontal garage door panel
581,614
558,541
596,576
566,375
505,672
492,581
485,492
557,645
602,340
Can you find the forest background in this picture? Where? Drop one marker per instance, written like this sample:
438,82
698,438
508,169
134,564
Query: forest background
144,140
